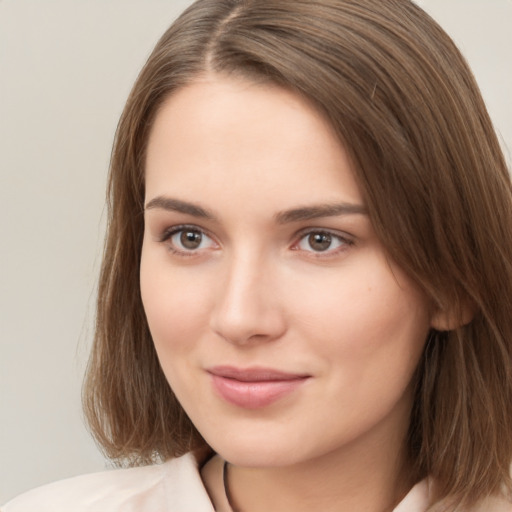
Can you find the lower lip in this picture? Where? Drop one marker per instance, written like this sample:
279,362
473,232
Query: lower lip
254,395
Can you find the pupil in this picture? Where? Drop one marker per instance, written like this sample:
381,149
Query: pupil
320,241
191,239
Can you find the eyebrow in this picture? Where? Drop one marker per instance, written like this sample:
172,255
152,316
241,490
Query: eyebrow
288,216
321,210
175,205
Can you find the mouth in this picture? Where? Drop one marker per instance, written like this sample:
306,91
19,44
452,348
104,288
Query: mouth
254,388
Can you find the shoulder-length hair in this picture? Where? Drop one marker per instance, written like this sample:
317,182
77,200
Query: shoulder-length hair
406,106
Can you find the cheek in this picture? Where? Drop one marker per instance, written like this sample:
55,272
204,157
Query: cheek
175,307
370,319
369,339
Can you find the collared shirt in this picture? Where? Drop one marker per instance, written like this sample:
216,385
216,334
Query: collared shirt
174,486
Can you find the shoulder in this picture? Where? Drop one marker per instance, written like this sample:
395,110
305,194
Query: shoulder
174,486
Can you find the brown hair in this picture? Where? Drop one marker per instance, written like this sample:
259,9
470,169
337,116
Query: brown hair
406,106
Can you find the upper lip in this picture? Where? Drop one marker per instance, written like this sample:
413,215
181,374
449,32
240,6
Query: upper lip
254,374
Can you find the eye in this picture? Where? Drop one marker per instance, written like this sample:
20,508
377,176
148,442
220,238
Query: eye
322,242
187,239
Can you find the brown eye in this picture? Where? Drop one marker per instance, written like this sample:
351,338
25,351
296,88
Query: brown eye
326,242
190,239
319,241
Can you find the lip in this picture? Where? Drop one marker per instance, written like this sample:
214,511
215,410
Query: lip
256,387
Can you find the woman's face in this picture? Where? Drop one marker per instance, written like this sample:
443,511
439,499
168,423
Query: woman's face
280,324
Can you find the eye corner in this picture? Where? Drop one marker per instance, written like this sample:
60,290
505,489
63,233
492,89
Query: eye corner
186,240
329,243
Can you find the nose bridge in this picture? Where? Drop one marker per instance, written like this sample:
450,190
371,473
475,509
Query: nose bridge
247,307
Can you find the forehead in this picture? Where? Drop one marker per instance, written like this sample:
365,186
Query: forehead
220,135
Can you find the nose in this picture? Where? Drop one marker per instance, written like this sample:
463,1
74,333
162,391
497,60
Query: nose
248,309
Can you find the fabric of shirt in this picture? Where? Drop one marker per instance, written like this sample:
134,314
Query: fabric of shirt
174,486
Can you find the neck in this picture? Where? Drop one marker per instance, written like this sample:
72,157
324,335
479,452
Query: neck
326,485
371,474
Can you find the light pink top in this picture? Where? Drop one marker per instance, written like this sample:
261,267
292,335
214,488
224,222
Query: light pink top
174,486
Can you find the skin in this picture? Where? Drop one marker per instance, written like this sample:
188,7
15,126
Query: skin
252,286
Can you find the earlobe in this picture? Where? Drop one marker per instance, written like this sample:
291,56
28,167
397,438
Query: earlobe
451,318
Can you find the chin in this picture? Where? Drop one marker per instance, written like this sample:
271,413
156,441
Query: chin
263,448
257,457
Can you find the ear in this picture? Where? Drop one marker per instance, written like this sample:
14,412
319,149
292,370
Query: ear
452,317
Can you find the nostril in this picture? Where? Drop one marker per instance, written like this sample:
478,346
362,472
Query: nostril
247,326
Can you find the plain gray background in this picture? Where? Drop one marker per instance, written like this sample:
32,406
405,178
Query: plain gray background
66,67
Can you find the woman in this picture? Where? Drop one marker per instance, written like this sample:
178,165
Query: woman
306,289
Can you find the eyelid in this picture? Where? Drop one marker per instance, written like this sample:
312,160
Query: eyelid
169,232
346,239
172,230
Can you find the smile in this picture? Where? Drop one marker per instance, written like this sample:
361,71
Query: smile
254,388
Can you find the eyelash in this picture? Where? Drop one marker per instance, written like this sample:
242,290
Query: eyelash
344,241
169,233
